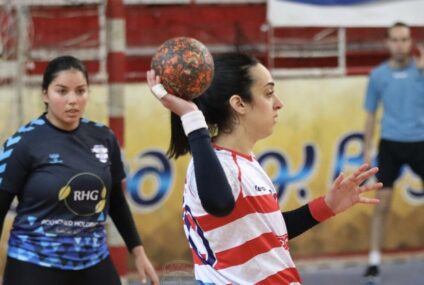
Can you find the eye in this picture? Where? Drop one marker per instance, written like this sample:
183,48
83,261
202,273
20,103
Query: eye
81,91
61,91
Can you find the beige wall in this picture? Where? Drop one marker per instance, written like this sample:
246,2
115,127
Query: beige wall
317,111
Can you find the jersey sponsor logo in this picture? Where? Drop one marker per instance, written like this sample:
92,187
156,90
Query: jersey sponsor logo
101,152
84,194
284,239
263,189
54,158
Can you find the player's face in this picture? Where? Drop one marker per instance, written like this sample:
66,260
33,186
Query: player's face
263,110
66,98
399,43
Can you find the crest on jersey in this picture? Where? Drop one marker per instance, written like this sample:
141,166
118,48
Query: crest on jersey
101,152
54,158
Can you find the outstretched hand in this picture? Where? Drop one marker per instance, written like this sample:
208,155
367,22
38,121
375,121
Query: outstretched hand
346,192
175,104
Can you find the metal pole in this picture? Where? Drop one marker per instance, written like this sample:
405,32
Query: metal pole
116,43
342,50
22,13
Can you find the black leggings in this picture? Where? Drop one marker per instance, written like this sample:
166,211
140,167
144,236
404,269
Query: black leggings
24,273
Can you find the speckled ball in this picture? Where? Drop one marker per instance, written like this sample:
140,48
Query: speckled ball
185,66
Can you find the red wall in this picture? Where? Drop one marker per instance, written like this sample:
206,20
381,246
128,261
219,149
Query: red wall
230,26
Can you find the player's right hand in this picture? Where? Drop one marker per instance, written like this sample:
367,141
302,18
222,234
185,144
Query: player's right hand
175,104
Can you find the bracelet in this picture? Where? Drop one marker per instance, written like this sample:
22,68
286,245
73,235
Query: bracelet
192,121
159,91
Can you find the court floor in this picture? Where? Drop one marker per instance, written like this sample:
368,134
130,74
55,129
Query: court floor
409,272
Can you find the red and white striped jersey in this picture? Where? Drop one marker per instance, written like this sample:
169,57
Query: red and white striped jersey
248,246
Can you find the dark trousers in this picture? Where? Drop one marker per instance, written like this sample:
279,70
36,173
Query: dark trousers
24,273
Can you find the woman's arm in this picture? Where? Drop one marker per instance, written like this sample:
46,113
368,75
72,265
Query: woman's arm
214,191
305,217
6,199
213,188
121,216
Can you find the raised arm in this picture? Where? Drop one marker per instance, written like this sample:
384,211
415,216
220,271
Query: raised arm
213,188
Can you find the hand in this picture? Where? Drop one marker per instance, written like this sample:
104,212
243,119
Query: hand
419,59
346,192
173,103
144,266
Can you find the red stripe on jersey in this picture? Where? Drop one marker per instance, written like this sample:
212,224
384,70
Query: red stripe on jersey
283,277
244,206
243,253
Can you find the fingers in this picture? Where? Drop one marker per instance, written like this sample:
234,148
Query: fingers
367,200
339,180
142,273
371,187
365,175
153,276
152,78
359,171
362,174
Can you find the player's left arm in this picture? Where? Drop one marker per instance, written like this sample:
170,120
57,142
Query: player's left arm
121,215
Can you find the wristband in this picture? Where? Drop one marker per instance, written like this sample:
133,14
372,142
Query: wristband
159,91
192,121
320,210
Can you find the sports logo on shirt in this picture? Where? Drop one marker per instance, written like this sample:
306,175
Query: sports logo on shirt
101,152
84,194
54,158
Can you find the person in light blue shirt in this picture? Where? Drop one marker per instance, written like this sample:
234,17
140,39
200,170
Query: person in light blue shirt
396,85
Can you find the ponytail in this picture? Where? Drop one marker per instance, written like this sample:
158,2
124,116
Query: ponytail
178,145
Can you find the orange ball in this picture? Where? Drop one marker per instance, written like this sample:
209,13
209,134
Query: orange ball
185,66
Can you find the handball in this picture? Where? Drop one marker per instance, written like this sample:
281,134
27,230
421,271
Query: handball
185,67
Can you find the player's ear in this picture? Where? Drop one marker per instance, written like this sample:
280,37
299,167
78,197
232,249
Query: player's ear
236,102
44,94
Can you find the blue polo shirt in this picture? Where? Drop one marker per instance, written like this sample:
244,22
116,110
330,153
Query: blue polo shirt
401,92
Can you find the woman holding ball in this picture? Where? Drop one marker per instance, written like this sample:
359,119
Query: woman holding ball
232,219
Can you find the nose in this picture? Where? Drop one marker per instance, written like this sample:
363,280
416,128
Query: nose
72,98
278,103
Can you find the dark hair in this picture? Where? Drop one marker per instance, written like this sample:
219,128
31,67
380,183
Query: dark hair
395,25
232,76
59,64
